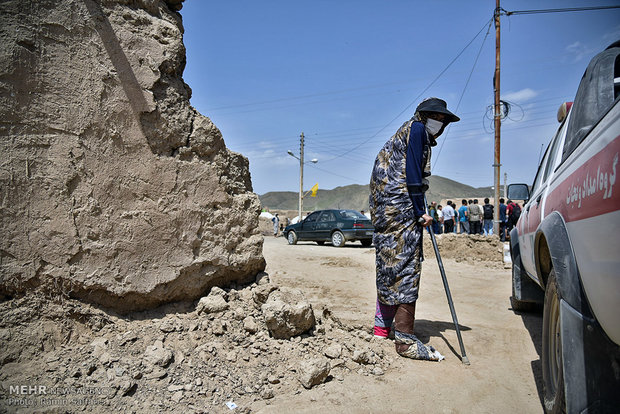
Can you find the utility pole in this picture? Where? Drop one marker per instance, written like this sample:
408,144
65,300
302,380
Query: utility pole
301,174
498,122
301,171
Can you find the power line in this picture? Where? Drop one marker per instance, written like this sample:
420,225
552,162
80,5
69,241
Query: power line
569,9
416,98
463,93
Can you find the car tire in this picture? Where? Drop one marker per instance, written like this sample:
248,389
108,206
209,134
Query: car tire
320,243
291,237
366,243
553,374
338,239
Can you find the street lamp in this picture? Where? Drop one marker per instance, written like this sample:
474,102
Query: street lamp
301,171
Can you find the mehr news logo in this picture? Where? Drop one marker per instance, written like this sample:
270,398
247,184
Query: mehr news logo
41,395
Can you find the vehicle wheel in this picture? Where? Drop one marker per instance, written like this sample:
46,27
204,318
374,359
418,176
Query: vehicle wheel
553,375
338,239
320,243
366,243
291,237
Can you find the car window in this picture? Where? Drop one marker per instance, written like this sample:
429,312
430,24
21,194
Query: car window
555,146
312,217
539,174
327,216
351,214
595,96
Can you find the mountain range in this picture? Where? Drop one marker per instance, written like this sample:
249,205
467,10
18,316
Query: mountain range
355,196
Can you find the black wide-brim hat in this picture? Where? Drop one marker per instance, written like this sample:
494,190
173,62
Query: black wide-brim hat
437,105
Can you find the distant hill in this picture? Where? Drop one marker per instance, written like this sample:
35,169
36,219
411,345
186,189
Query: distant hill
355,196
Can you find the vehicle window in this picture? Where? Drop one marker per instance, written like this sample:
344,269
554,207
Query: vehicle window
351,214
312,217
595,96
539,174
555,146
327,216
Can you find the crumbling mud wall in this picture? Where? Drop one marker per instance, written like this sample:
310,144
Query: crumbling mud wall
113,189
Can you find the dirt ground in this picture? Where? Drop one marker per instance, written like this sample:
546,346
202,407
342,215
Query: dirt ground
503,347
179,358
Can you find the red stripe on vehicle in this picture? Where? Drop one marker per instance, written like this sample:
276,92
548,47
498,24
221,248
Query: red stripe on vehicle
592,189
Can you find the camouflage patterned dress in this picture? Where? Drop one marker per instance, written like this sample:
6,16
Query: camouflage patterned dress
397,237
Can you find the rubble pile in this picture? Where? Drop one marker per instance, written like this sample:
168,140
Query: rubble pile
241,344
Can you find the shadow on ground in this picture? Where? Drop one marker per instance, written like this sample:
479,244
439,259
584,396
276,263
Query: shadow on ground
533,322
426,329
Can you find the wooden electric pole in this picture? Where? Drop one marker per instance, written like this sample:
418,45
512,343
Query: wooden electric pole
301,175
498,123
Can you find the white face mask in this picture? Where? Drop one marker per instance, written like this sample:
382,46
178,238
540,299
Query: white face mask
433,126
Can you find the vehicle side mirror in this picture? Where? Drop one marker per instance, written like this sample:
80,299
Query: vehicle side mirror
518,192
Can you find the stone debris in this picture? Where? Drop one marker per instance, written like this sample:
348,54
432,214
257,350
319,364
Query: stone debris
333,351
223,358
156,354
287,313
313,372
212,304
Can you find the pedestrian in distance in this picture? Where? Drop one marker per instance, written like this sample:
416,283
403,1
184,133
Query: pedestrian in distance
475,215
463,218
276,223
432,211
397,186
509,207
439,219
502,220
487,217
448,218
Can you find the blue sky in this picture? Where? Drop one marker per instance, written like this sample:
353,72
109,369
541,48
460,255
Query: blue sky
349,73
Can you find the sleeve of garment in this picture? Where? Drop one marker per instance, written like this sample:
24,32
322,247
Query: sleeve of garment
414,167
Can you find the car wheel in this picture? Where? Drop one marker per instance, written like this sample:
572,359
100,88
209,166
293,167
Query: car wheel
366,243
338,239
291,237
320,243
553,374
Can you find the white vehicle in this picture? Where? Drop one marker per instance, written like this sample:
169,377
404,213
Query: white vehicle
566,247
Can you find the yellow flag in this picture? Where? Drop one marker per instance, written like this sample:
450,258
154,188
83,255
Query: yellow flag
314,189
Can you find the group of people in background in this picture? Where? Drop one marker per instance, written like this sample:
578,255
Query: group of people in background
473,218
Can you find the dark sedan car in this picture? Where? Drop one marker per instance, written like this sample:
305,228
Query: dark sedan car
335,226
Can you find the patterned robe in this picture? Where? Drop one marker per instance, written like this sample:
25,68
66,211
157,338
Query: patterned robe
397,236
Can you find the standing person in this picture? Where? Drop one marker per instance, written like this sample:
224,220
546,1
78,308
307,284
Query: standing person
502,220
509,208
469,203
487,217
276,222
397,187
439,219
463,218
515,213
475,215
448,218
432,211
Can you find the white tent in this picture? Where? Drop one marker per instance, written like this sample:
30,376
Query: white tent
266,214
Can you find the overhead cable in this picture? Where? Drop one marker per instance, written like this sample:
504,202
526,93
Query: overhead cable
463,93
417,97
569,9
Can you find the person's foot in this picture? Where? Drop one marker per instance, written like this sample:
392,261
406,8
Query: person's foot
409,346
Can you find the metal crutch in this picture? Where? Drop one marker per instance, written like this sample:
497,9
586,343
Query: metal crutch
464,358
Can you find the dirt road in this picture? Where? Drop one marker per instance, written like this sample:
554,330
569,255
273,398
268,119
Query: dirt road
503,347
